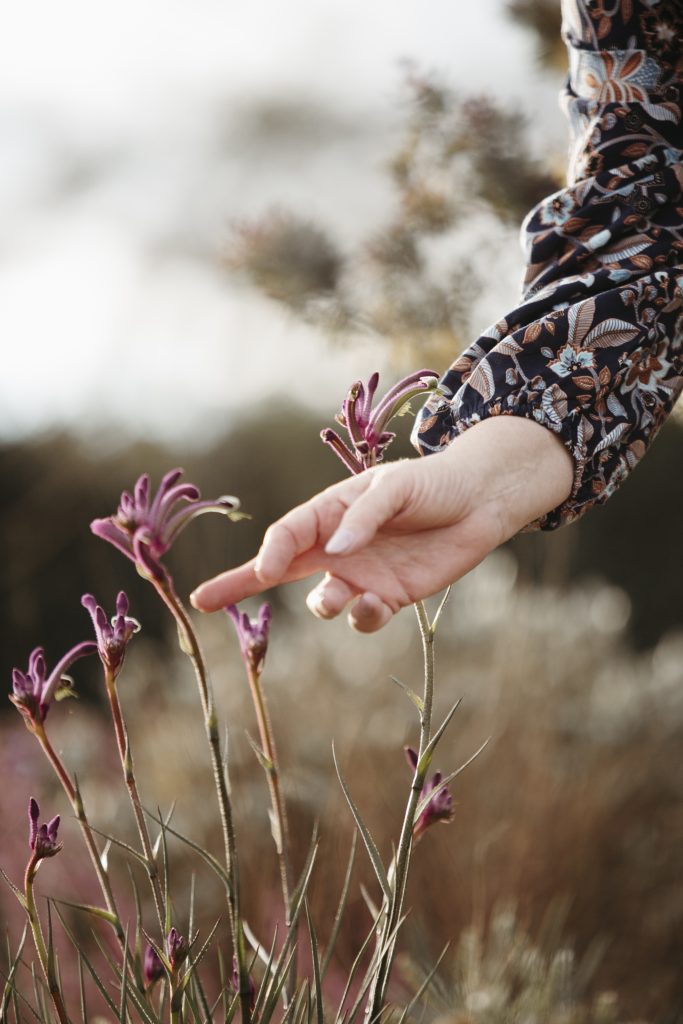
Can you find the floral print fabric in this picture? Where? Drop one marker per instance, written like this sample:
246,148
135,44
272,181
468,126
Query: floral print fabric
594,351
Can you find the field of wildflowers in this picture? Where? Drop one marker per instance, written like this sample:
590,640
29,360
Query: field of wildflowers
171,911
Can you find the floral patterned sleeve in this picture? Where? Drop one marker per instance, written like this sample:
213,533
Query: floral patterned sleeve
594,351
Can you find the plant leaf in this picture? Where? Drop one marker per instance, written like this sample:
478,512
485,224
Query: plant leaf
449,778
373,852
423,987
426,758
216,866
104,915
9,980
417,701
318,996
341,908
17,892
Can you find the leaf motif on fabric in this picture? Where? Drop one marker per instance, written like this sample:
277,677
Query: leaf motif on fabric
643,262
580,318
614,254
507,347
612,437
531,333
660,111
636,149
610,333
615,406
633,63
574,224
584,382
482,380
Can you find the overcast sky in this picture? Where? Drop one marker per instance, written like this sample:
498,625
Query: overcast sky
129,146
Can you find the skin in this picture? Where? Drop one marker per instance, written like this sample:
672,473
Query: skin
403,531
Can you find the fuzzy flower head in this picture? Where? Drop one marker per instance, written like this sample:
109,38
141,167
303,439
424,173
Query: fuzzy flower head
42,839
438,808
34,690
152,967
177,949
144,527
112,637
252,634
367,428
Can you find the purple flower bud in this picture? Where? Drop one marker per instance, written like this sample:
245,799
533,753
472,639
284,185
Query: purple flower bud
152,967
177,949
42,839
33,690
367,429
438,808
252,634
144,528
114,637
236,983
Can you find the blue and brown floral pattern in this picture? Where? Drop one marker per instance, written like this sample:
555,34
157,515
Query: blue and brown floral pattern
594,350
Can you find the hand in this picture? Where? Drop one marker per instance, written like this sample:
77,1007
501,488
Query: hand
402,531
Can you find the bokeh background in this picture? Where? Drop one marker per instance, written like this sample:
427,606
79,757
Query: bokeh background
214,219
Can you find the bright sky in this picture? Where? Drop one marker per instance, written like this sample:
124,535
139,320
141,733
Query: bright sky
127,152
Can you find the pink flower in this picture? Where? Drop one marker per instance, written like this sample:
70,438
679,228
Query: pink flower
33,690
438,808
367,428
144,528
114,637
252,634
42,839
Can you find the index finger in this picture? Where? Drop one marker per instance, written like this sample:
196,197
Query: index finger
292,548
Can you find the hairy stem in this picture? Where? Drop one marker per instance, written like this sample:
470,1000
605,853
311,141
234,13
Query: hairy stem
126,758
278,804
76,802
39,940
190,644
403,855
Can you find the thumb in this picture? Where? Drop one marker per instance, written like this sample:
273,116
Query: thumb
386,496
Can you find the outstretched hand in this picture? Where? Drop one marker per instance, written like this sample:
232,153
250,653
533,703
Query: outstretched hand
400,532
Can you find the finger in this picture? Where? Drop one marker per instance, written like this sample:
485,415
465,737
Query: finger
229,587
369,614
380,502
330,597
305,527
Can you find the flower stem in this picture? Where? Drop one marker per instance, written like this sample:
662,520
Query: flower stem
126,757
403,855
76,802
39,940
190,645
278,804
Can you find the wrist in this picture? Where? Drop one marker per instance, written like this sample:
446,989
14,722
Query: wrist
512,468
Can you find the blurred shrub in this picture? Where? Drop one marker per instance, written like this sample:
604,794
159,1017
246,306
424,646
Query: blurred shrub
412,279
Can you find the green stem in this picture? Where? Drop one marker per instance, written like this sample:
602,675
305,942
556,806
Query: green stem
76,802
126,758
190,645
39,940
405,845
278,804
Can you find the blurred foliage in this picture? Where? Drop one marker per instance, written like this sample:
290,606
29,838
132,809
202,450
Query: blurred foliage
412,279
543,17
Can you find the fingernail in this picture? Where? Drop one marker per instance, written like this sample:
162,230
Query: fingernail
316,605
340,542
194,597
